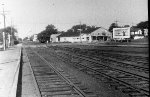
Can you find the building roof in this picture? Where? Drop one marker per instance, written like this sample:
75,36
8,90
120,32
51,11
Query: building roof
101,32
55,35
134,29
70,34
77,33
101,29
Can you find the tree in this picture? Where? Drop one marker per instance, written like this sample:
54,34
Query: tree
11,31
113,25
25,39
126,26
83,27
8,30
75,30
142,25
50,29
44,35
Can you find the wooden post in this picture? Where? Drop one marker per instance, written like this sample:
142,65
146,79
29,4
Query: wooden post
4,42
8,40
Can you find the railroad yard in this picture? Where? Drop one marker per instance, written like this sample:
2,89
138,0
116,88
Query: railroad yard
79,70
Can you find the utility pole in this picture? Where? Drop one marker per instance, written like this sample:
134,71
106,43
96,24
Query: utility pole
116,22
132,24
10,36
80,33
4,34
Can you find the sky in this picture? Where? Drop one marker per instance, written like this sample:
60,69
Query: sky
32,16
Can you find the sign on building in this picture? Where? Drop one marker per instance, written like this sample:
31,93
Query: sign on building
121,33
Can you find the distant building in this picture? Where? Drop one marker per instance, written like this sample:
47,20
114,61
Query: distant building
100,34
145,32
54,38
136,33
76,38
16,34
35,37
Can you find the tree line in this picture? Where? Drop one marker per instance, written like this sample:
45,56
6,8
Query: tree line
8,30
142,25
44,35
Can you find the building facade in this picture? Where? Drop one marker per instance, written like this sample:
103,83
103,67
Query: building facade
54,38
100,34
35,37
136,33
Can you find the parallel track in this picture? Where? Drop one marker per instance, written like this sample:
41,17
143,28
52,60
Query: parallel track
142,66
53,81
133,84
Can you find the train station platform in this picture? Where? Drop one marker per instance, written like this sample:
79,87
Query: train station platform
9,70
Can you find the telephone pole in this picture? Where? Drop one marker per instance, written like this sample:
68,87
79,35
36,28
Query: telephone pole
116,22
4,34
10,36
80,32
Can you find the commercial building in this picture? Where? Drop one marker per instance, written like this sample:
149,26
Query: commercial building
99,34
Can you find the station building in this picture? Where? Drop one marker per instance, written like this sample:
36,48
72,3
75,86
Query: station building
100,34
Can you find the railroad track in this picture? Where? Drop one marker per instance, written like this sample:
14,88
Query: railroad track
109,60
133,84
136,58
142,60
54,81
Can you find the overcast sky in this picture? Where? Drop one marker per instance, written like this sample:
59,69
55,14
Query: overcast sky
32,16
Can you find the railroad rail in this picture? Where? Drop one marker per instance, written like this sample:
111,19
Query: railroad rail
136,66
133,84
141,59
54,81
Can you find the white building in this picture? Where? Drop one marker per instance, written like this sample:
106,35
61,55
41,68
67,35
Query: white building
99,34
79,38
136,33
145,32
54,38
35,37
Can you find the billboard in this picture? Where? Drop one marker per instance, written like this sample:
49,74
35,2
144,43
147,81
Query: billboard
121,33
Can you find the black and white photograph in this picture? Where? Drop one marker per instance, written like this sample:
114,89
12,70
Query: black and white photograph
74,48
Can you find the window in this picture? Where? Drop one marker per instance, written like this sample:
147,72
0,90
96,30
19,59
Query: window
87,38
132,33
140,32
